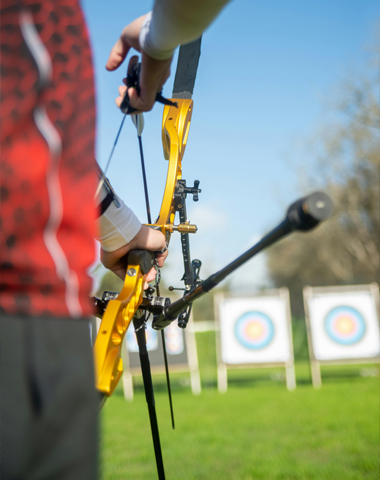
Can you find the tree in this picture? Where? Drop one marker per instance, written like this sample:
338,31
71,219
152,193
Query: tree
345,250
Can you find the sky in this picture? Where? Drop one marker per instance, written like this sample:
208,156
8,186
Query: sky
266,72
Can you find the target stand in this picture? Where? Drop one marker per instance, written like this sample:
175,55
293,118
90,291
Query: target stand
254,332
342,326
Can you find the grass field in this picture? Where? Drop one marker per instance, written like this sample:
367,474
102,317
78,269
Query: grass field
257,430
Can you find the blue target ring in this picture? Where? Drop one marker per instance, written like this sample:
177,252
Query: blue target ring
345,325
254,330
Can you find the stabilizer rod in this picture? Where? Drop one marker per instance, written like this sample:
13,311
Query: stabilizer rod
304,214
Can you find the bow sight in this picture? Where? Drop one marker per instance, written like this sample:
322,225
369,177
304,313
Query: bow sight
191,271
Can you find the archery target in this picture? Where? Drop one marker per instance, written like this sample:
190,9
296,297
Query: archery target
174,339
151,340
254,330
343,324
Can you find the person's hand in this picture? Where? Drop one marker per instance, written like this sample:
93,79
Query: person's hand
146,239
154,73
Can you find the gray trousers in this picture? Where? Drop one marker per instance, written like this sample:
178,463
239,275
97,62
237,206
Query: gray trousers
48,403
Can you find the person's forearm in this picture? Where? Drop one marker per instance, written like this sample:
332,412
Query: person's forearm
118,225
176,22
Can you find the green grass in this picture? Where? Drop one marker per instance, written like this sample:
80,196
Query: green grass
257,430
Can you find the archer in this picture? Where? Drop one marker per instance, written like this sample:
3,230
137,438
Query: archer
48,222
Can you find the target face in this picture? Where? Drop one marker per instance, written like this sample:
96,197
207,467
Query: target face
345,325
151,340
174,339
254,330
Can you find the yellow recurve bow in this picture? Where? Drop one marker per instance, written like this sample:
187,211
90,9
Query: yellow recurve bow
120,311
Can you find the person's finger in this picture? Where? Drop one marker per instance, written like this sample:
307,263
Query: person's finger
129,38
161,257
143,102
118,54
122,89
119,99
151,275
153,75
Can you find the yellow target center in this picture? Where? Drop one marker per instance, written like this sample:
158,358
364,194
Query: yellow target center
254,330
345,325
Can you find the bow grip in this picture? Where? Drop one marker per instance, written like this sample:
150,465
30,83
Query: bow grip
144,258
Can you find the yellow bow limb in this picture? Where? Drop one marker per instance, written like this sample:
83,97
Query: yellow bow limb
175,131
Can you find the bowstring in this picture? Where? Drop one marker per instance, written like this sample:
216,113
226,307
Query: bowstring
147,204
110,157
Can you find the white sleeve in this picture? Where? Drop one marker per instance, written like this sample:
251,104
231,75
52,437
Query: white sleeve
118,225
176,22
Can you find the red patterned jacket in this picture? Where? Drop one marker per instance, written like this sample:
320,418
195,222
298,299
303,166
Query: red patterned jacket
47,174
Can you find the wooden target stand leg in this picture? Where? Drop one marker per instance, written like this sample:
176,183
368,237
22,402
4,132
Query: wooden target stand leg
290,376
316,374
139,325
222,378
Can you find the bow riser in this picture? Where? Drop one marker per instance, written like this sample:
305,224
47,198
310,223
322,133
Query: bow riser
116,320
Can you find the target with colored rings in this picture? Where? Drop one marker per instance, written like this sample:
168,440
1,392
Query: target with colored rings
174,339
254,330
151,340
345,325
